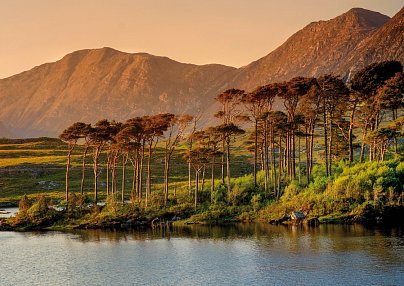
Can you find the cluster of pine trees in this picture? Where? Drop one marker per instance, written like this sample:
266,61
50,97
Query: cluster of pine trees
320,116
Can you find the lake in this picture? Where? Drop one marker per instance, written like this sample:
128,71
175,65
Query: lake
8,212
240,254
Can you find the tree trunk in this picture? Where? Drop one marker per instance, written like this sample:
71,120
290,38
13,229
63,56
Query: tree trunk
273,159
107,174
293,153
280,168
311,148
262,158
298,159
350,130
395,137
148,182
140,196
265,151
134,179
165,180
166,174
124,160
190,167
203,177
280,154
383,149
83,168
364,133
189,177
228,165
325,138
69,153
212,189
255,153
196,188
95,170
114,173
330,145
224,152
286,154
307,142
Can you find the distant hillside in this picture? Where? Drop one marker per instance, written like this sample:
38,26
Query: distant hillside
91,84
88,85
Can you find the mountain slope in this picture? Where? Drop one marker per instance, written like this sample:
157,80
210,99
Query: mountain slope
387,43
317,49
91,84
4,132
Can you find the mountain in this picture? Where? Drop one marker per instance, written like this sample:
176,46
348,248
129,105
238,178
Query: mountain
317,49
88,85
92,84
386,43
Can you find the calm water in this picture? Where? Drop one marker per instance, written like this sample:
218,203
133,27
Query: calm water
244,254
8,212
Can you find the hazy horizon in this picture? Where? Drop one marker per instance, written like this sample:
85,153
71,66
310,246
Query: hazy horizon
232,33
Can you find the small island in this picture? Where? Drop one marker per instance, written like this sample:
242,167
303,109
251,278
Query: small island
333,154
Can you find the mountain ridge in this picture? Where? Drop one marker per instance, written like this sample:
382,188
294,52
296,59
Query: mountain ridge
357,24
91,84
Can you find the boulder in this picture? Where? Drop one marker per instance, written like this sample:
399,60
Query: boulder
297,217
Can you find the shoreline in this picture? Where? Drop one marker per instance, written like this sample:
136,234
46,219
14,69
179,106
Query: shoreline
122,225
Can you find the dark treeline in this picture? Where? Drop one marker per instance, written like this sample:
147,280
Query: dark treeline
324,120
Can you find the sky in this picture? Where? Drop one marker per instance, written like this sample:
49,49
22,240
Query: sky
230,32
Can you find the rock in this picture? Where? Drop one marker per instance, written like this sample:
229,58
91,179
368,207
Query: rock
297,217
175,218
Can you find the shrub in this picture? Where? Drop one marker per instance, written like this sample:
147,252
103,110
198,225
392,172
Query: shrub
290,191
22,215
219,194
319,184
256,202
39,209
112,204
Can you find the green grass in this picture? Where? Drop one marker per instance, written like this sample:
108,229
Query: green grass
37,165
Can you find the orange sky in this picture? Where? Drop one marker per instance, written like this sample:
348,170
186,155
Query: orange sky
231,32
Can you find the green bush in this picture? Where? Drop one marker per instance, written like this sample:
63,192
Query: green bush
290,191
241,191
219,195
256,202
112,205
23,207
39,209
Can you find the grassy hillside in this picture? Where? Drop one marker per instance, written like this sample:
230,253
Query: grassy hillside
37,165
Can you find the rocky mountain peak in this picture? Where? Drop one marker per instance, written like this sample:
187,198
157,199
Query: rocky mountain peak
364,18
317,49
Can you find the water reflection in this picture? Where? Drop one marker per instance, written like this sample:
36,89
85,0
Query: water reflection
238,254
294,240
256,231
